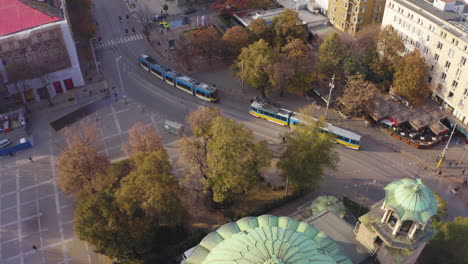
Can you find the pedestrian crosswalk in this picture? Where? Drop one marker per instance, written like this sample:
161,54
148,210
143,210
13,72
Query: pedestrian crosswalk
112,42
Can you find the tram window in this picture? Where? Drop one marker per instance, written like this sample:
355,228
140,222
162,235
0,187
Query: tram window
200,93
354,141
169,78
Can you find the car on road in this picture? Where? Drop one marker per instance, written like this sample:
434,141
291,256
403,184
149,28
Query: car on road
4,143
164,24
185,21
189,11
159,17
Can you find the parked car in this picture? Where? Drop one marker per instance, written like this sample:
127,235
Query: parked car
164,24
159,17
189,11
185,21
4,143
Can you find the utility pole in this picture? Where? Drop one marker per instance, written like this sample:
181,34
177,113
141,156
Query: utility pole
332,85
120,78
446,148
94,57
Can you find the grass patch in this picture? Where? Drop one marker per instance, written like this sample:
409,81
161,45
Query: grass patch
356,209
259,201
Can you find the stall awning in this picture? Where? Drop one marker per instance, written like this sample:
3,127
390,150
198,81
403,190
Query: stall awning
387,122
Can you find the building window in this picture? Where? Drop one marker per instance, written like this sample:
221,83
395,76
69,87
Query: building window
428,39
356,8
454,84
394,18
439,45
345,5
343,15
429,80
363,9
334,9
447,64
444,75
425,50
354,19
458,72
450,95
432,67
462,61
360,20
417,45
451,52
342,24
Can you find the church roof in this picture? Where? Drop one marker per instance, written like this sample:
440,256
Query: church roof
17,16
267,239
328,203
411,200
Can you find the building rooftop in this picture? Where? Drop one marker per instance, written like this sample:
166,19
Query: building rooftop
267,239
16,15
411,200
435,15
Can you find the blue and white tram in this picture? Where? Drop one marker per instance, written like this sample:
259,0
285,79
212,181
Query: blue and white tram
175,79
286,117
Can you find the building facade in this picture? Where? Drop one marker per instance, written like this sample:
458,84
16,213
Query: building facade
37,51
439,31
354,15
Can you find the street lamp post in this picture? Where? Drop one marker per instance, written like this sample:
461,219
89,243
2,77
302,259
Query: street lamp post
446,148
332,85
94,57
120,78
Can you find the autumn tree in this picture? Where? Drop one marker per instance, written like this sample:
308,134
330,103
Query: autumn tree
288,26
330,58
142,139
206,42
409,78
234,40
128,222
80,167
306,153
389,46
229,6
234,160
185,52
254,66
450,243
223,153
359,52
358,96
293,71
260,29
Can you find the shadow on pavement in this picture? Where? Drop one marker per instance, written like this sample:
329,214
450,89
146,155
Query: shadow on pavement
80,113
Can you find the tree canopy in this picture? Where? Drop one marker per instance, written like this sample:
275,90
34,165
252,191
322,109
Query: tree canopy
234,40
330,58
142,138
260,29
206,42
409,80
358,96
223,153
254,66
80,167
306,153
288,26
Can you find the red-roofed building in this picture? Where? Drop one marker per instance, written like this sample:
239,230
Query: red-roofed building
37,52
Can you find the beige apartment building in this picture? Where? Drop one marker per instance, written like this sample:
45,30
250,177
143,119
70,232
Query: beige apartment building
439,30
353,15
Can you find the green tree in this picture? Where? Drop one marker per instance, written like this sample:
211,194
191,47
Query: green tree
165,7
234,40
254,66
358,96
359,52
223,154
330,58
389,46
234,160
306,153
288,26
80,167
296,68
152,187
260,29
409,80
450,245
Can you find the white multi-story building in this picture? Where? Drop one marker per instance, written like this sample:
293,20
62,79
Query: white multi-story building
440,31
38,57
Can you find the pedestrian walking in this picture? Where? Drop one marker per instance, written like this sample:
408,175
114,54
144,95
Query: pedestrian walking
450,164
440,173
463,172
30,159
465,181
34,247
116,98
90,93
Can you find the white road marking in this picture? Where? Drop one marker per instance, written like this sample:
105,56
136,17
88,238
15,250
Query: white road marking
18,216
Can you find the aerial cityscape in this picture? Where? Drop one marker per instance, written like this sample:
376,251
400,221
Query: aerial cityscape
233,131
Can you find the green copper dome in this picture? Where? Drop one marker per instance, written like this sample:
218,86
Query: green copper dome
328,203
267,240
411,200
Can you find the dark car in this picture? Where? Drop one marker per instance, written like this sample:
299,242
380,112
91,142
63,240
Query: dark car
185,21
159,17
189,10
